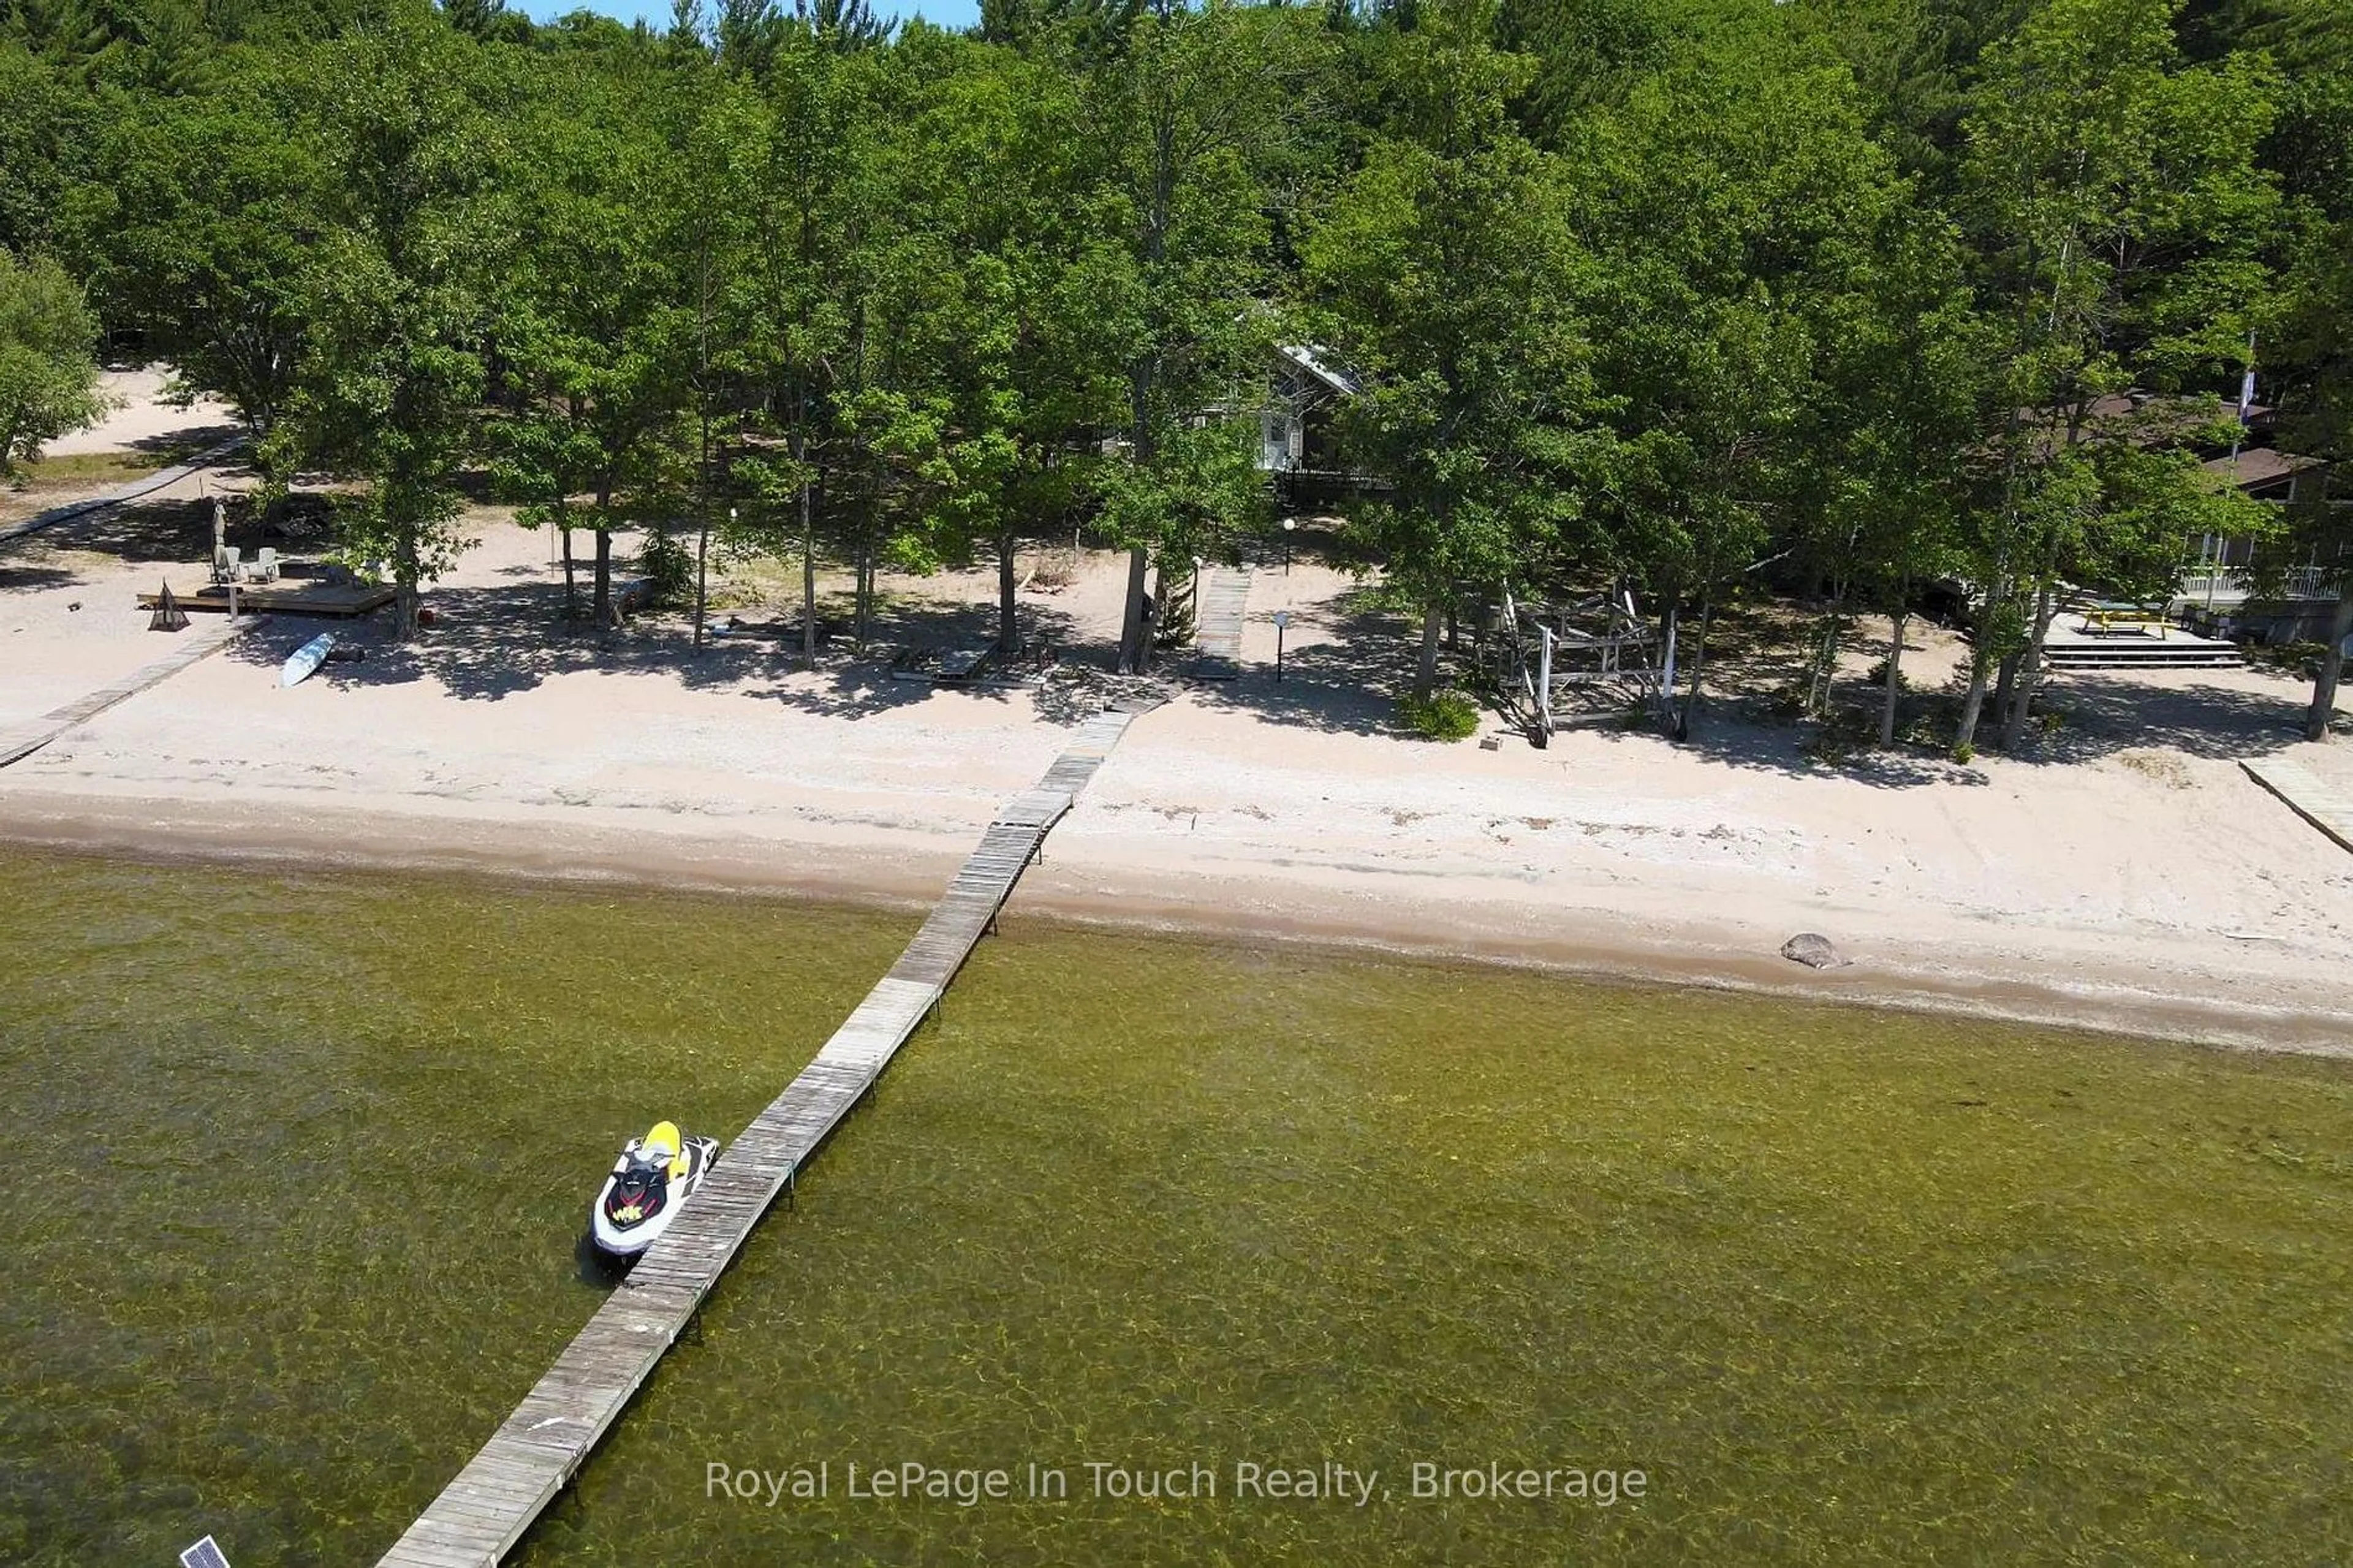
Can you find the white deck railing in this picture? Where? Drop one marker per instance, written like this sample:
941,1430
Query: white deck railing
2231,587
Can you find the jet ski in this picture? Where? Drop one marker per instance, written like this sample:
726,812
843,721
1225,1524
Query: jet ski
650,1184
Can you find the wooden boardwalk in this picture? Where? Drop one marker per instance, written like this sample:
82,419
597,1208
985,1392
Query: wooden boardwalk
145,484
2324,806
482,1513
1219,638
22,739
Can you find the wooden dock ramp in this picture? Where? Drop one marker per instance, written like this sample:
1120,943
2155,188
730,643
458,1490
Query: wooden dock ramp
480,1515
1217,637
19,741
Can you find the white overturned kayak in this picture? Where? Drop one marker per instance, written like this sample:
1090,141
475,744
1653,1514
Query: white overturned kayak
306,659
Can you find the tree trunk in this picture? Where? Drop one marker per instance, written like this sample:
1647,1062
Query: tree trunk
1980,666
1425,674
1822,663
1894,679
2332,664
2005,684
1981,661
701,573
2030,674
601,605
1667,664
407,571
571,584
809,567
1135,636
1155,625
1008,623
865,591
1699,662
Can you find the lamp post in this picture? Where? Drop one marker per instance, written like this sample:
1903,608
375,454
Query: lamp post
1282,623
1289,524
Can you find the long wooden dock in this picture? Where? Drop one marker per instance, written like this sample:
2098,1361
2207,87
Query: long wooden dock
482,1513
22,739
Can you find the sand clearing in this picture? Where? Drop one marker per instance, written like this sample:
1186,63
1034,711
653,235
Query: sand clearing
2126,873
138,420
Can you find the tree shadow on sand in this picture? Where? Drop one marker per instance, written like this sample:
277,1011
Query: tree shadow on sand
1344,686
492,642
2081,717
1347,680
19,578
171,446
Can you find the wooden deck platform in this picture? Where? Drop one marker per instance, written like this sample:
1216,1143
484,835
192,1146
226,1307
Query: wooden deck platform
20,740
1218,641
2117,645
480,1515
295,597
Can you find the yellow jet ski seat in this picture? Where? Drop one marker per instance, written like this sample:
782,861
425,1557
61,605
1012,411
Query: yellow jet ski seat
664,1137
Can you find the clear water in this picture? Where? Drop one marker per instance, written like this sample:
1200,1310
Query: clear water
302,1159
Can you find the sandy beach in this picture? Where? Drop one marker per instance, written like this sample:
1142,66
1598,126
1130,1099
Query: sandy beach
2124,874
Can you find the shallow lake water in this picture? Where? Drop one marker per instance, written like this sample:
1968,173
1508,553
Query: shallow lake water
302,1161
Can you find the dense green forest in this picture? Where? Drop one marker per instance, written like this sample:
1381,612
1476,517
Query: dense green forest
1646,291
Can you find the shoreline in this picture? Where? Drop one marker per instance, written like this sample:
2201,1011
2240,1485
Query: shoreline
2152,998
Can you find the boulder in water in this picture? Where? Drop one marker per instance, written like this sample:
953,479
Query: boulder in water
1814,951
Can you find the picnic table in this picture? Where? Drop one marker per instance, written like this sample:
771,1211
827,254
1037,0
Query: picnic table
2104,617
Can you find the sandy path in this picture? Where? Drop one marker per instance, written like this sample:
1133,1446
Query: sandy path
139,418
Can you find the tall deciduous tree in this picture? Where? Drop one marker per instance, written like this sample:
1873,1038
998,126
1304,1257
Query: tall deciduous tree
1023,337
2313,148
48,375
393,376
597,321
1899,418
1192,116
210,212
1735,203
2115,191
1452,280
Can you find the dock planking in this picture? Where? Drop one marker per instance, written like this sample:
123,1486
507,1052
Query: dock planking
480,1514
1219,637
19,741
2326,808
294,596
145,484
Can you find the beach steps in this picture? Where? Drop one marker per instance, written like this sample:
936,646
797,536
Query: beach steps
2325,806
19,741
1217,636
2067,648
481,1513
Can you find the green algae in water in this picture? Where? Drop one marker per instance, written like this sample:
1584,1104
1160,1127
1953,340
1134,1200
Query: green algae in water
319,1148
1846,1287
